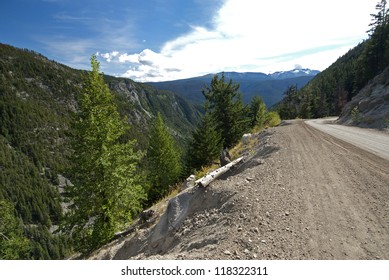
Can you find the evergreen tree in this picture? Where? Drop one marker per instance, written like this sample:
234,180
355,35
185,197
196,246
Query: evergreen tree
106,193
13,245
375,56
227,109
205,145
164,163
288,106
257,112
380,19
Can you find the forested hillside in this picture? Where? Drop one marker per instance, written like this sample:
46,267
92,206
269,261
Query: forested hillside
329,91
38,99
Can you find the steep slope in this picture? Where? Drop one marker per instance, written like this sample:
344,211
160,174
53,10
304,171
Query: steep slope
269,87
141,103
370,107
37,100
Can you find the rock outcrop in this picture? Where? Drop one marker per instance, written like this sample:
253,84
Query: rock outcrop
370,107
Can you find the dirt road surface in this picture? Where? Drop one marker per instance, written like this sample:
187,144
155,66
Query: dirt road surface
371,140
303,195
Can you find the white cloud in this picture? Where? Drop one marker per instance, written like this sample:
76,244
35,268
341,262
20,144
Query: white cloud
261,36
109,56
133,58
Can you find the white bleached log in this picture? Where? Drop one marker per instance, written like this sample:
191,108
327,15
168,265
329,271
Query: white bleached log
207,179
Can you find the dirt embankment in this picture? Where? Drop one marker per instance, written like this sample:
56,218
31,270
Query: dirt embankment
303,195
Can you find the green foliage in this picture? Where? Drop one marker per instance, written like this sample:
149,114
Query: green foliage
177,113
163,157
356,114
257,112
225,121
38,98
205,145
287,108
227,110
13,244
272,119
106,193
375,56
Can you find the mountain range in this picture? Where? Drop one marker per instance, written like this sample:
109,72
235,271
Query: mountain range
270,87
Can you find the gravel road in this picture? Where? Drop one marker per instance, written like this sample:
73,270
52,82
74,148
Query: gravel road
303,195
370,140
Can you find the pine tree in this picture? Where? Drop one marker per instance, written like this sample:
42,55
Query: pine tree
381,18
257,112
205,145
288,106
375,56
164,163
227,109
106,194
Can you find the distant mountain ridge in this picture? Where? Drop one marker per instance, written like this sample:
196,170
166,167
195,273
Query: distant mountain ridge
270,87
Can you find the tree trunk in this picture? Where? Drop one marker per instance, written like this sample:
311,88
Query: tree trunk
207,179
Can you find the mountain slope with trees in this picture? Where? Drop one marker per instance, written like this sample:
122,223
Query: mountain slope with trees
38,100
328,93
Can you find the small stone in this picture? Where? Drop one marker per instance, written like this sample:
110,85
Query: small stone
240,229
249,179
263,241
287,213
228,253
256,230
246,251
255,256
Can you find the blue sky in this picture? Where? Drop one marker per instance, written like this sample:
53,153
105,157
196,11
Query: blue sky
154,40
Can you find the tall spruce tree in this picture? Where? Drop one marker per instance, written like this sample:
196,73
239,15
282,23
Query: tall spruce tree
106,193
205,144
227,109
257,112
164,162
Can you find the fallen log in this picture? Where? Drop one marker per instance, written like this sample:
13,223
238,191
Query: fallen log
207,179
